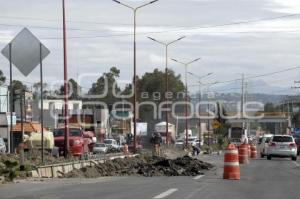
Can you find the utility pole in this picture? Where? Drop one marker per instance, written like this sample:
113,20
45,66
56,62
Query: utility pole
243,96
243,100
66,88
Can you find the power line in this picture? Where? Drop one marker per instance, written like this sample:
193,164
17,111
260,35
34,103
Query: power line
58,20
129,24
251,77
256,76
182,28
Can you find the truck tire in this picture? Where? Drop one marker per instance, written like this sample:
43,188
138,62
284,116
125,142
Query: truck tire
294,158
269,157
262,155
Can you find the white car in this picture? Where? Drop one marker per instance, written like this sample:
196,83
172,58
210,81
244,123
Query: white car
264,144
2,146
100,148
282,146
112,144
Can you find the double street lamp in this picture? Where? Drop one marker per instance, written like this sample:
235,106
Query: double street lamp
134,9
199,81
166,76
186,64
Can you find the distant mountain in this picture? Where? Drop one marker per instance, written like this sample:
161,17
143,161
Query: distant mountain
258,91
257,86
231,100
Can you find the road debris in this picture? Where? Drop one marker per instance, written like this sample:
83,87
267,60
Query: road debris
144,166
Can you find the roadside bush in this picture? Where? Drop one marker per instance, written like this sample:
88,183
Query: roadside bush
11,170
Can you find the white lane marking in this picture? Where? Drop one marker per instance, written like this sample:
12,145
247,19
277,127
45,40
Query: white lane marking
165,194
198,177
298,165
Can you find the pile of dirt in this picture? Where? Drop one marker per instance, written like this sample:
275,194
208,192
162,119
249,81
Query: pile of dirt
144,166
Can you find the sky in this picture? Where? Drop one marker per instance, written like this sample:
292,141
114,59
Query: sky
100,36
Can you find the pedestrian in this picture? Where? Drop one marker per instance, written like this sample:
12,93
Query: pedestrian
196,150
156,140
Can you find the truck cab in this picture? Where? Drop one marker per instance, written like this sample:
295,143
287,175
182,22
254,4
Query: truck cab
77,145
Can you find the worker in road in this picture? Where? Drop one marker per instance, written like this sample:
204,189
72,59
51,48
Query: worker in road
156,140
196,149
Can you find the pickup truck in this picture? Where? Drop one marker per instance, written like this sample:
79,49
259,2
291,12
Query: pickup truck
77,144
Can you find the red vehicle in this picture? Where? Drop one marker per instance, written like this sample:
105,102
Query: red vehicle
77,144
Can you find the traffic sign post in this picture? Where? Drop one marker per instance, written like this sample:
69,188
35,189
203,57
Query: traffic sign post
216,124
26,52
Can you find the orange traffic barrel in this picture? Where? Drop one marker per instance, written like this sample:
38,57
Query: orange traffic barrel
231,163
243,154
249,150
253,152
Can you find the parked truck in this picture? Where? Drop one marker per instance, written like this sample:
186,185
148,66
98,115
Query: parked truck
78,145
161,129
237,135
33,142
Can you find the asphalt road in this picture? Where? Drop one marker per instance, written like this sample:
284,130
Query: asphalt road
275,179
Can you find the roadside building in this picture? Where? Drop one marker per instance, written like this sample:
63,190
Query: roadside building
28,128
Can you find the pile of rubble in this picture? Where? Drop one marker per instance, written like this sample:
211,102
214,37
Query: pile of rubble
144,166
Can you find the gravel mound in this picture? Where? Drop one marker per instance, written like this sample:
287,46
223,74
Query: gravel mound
143,166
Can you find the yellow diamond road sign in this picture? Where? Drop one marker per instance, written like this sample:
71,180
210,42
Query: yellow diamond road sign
216,124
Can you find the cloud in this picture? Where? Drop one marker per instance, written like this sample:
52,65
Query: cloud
250,48
285,6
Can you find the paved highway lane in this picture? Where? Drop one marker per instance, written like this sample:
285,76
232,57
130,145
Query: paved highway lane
275,179
278,178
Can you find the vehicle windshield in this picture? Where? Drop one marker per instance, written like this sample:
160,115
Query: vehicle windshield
108,141
282,139
99,145
1,142
72,132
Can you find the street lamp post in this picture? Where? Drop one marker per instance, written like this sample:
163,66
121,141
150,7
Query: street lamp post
199,81
66,88
186,95
166,77
134,9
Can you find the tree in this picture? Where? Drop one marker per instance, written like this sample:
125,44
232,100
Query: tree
2,78
222,131
74,90
154,83
151,87
99,86
37,90
18,85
